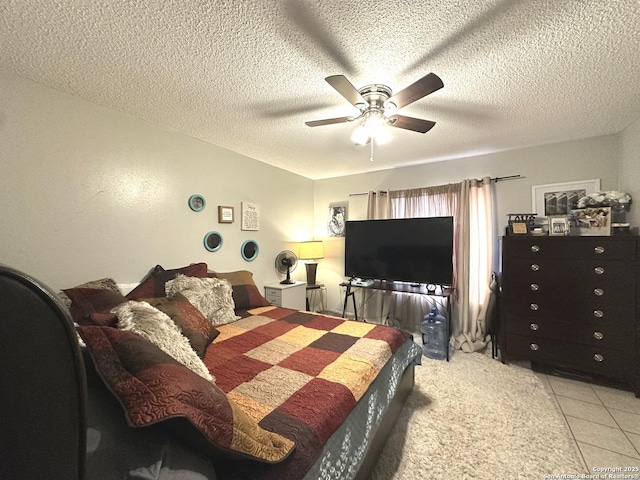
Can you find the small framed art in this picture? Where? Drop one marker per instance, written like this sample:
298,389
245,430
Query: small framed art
225,214
250,216
558,225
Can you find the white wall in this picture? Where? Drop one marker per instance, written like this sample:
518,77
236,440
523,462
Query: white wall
562,162
88,192
630,169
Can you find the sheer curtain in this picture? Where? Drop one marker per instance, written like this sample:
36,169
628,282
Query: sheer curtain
476,236
471,204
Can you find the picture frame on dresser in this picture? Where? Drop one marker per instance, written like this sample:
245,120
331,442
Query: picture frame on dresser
559,225
591,222
560,198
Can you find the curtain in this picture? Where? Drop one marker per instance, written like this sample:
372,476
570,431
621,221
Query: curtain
476,236
374,305
471,204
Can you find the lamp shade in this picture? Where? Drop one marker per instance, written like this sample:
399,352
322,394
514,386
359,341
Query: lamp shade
311,250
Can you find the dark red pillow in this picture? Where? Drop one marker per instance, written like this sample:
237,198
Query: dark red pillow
193,324
92,306
152,286
244,290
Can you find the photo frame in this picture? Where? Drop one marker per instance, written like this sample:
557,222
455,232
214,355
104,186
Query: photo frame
250,216
592,221
337,219
559,225
560,198
225,214
518,228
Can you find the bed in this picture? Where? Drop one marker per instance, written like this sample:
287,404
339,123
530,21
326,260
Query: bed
295,395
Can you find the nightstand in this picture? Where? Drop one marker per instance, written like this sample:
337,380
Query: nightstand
292,295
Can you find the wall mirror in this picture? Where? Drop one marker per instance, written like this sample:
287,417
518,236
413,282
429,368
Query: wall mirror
213,241
249,250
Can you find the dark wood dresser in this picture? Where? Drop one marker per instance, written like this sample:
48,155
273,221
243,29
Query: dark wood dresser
573,303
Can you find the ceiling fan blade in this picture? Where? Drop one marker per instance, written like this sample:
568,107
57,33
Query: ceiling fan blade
328,121
346,89
423,87
409,123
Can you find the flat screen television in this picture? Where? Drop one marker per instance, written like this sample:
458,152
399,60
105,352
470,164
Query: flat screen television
415,250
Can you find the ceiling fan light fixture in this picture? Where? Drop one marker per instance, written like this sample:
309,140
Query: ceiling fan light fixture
360,136
373,123
383,136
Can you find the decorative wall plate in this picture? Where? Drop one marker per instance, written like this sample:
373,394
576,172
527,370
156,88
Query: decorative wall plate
196,202
249,250
213,241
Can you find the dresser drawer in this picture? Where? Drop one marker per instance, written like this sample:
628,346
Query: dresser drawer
597,269
572,311
616,283
600,334
273,296
617,363
604,248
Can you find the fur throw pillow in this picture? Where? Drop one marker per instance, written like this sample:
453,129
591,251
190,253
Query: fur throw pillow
212,296
156,326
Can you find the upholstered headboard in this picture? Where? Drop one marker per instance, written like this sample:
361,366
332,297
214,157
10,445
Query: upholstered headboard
42,383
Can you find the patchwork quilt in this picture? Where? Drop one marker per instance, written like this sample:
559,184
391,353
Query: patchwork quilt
297,374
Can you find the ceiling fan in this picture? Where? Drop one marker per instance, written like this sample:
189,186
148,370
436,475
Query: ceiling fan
378,105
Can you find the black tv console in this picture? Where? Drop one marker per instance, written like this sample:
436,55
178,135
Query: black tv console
444,292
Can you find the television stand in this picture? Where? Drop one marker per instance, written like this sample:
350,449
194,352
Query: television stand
420,289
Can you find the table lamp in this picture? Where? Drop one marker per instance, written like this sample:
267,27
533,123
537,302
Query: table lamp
311,250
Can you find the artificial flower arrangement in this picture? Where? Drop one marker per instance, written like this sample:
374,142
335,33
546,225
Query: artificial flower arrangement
611,198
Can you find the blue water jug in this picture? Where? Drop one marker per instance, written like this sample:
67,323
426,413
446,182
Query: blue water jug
435,340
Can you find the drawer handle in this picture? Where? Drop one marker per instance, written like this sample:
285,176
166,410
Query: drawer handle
535,248
535,287
534,326
534,307
598,313
599,249
598,335
598,358
598,270
534,346
599,292
535,267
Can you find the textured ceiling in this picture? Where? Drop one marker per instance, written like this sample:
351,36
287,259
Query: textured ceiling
246,75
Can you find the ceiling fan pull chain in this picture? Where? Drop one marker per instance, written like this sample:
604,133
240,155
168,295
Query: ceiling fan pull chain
371,157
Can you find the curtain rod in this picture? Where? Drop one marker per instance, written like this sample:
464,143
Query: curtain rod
494,179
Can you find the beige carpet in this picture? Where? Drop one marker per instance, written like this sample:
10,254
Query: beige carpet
475,418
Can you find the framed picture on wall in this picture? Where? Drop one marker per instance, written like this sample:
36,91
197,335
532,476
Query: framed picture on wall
225,214
560,198
337,219
250,216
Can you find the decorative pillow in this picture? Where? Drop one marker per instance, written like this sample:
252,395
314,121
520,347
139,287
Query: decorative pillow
92,306
245,292
101,284
193,325
212,296
153,285
159,329
152,387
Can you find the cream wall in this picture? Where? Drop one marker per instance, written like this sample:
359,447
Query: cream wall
87,192
630,169
562,162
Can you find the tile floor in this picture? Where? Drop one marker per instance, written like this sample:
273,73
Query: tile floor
604,421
